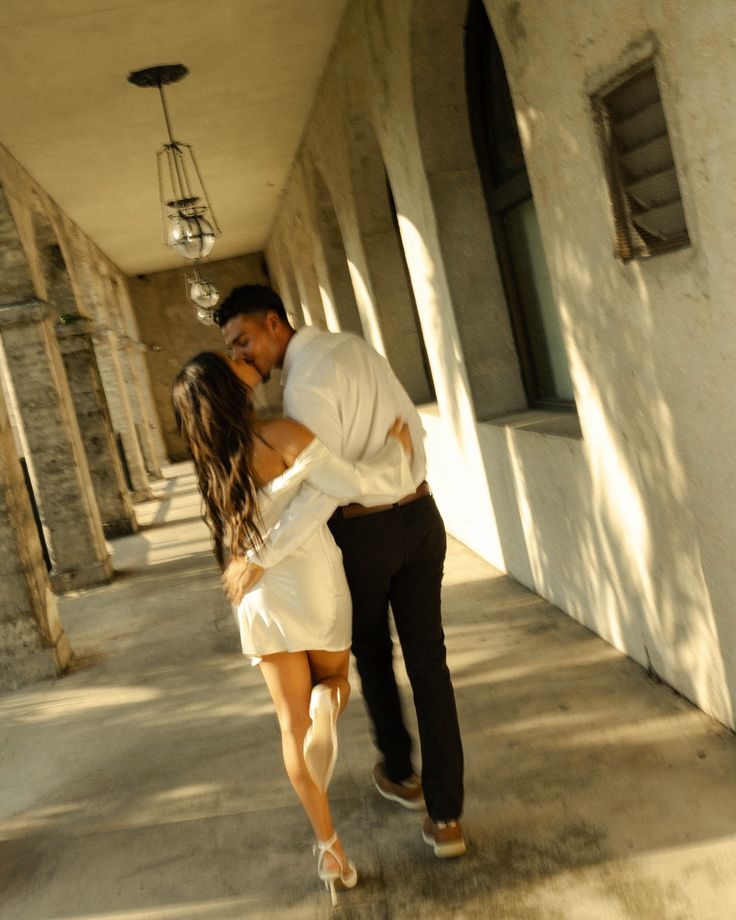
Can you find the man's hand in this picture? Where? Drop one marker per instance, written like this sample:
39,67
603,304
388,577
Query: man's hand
400,431
239,577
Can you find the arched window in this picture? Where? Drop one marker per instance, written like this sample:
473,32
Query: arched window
533,311
432,394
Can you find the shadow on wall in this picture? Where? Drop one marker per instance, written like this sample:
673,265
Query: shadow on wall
473,490
632,568
608,527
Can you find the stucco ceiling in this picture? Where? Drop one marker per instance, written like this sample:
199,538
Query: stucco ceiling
72,120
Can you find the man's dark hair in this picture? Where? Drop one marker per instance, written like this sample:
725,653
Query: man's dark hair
250,299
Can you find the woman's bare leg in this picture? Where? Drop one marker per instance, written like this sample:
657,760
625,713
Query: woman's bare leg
331,669
288,676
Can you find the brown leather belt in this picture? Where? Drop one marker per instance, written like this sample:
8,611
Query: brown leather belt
355,510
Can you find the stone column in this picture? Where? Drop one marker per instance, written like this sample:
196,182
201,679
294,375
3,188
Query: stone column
108,362
105,343
153,426
53,448
33,644
125,332
128,356
108,481
152,438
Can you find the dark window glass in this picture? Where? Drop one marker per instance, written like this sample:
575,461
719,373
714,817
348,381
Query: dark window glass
532,308
506,158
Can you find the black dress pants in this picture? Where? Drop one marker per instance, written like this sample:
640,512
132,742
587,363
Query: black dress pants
397,557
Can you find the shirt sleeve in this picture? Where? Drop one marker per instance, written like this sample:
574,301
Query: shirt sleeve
307,511
333,481
328,481
382,480
310,507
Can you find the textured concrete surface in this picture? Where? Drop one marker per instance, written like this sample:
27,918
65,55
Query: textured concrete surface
53,446
167,324
93,417
33,644
148,783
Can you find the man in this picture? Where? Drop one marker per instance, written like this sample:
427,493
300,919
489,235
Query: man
345,392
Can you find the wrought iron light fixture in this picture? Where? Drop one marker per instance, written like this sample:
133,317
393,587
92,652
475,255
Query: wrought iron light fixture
189,223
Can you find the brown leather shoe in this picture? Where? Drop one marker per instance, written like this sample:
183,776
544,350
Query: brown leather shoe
445,837
408,793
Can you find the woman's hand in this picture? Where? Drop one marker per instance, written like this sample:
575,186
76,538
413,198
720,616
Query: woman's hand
400,431
239,577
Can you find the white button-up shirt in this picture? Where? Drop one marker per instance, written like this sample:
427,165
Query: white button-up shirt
346,393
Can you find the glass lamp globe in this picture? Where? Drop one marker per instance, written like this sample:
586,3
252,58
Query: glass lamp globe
203,293
205,316
191,235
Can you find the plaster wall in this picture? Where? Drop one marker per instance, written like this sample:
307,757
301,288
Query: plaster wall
171,332
282,279
365,108
641,551
624,514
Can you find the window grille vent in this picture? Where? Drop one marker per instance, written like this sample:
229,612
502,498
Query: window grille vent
646,200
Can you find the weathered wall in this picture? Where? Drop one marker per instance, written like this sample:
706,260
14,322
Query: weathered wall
624,516
51,286
363,128
33,644
71,273
632,530
55,394
171,332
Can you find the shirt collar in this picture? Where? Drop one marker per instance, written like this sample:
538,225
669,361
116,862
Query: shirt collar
297,342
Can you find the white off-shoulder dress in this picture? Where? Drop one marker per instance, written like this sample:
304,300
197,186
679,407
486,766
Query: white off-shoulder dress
303,602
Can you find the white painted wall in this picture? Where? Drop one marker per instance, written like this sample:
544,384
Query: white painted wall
631,531
626,520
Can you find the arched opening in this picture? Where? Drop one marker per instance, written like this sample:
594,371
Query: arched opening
468,257
310,296
294,309
410,291
532,307
52,264
299,253
335,259
385,265
282,277
80,367
135,375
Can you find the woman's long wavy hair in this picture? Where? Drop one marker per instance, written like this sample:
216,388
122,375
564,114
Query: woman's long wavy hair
214,417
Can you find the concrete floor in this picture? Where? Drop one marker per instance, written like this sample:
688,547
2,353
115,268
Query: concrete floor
148,784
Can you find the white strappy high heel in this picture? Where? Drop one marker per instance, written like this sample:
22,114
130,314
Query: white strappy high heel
334,879
320,741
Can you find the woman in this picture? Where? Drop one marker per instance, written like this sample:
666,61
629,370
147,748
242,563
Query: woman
295,623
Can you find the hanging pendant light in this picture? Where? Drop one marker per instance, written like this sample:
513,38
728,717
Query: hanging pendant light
204,295
189,232
189,223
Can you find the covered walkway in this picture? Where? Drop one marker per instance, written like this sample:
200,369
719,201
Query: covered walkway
147,783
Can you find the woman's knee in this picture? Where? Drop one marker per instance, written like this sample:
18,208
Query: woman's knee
329,665
293,718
